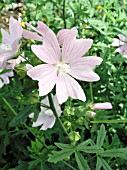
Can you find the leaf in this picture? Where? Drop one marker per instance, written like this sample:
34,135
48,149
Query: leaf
21,117
101,135
85,143
59,156
121,152
82,163
22,165
98,164
90,149
103,163
64,146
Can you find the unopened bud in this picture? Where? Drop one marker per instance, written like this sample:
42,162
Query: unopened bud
69,111
74,136
80,121
67,125
90,114
102,106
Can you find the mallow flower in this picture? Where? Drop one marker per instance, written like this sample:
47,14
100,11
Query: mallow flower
5,72
102,106
63,65
46,118
10,41
121,43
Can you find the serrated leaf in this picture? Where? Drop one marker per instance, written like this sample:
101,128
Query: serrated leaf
59,156
82,163
101,135
64,146
104,164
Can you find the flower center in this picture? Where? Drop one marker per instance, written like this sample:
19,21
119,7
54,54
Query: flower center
5,47
61,67
49,112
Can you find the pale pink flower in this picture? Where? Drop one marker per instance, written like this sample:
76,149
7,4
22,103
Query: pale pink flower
121,43
102,106
4,77
46,117
64,64
10,42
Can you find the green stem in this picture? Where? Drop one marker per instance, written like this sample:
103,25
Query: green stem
109,121
8,104
69,165
55,113
27,127
91,92
64,17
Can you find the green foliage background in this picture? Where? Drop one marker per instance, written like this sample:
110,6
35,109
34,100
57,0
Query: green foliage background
23,147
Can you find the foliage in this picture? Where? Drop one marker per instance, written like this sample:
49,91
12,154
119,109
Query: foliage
93,145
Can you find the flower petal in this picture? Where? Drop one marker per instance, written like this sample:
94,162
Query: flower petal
62,35
46,75
15,29
43,28
49,124
74,48
66,86
45,53
82,68
5,37
31,35
122,37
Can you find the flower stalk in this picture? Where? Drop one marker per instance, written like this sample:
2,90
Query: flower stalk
55,113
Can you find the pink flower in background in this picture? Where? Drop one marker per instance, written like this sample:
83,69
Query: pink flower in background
4,77
10,42
102,106
46,117
121,43
63,64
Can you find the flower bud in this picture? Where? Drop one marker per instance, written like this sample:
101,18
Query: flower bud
74,136
102,106
33,97
80,121
90,114
67,125
69,111
21,70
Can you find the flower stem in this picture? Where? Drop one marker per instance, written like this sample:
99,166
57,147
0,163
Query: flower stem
109,121
9,106
64,18
55,113
91,92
